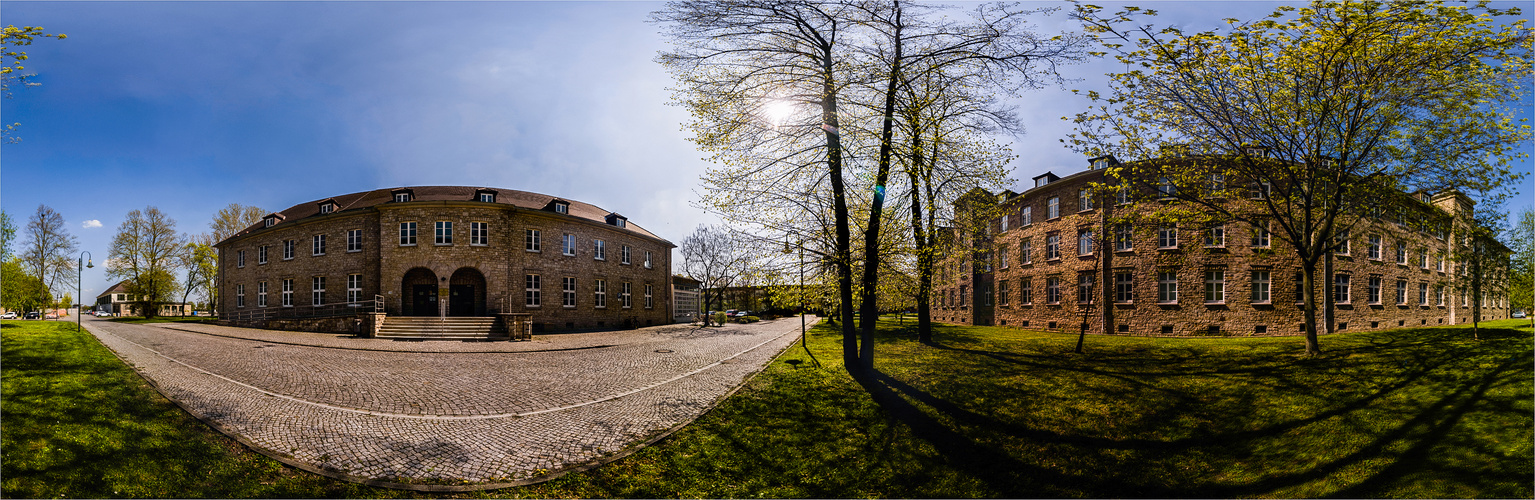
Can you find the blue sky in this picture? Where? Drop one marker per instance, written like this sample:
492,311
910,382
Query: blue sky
189,106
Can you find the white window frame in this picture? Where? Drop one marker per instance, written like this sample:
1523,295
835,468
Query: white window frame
1124,238
1167,287
408,234
1373,290
1262,287
599,250
479,233
1215,286
1027,216
1085,243
530,240
288,247
1052,246
1053,208
442,233
353,240
1215,236
624,297
239,295
317,291
287,292
1372,251
624,255
568,245
1124,287
261,254
568,292
317,246
532,291
261,294
1052,290
1342,289
600,294
1084,200
1167,236
648,261
240,258
650,296
1026,291
353,288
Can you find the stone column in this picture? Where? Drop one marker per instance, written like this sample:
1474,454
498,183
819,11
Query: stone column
372,322
517,325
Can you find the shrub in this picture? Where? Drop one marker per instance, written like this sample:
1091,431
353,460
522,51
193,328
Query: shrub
748,319
719,318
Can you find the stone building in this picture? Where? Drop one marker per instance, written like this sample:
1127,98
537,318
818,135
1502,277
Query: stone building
449,251
1049,258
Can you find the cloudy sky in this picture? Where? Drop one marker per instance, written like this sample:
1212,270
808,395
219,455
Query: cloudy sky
189,106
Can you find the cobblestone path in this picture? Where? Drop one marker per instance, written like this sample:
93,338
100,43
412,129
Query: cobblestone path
441,412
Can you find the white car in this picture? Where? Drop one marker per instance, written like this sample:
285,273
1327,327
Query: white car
1519,314
9,315
101,314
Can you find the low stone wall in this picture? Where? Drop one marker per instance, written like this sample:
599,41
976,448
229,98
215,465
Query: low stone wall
340,324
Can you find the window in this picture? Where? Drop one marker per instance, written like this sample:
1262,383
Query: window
1215,287
1373,290
318,246
1053,207
327,208
317,290
1002,292
1167,236
1052,290
1262,190
962,294
239,295
1025,291
354,240
1423,258
1002,258
1165,187
479,233
1084,199
1439,292
647,260
240,258
649,301
1260,288
442,233
1124,287
1123,238
569,292
1422,294
1341,240
1052,247
1261,235
353,288
1401,253
1372,249
1340,289
624,254
624,295
407,233
401,197
532,291
985,260
488,197
287,249
261,254
1167,287
1401,292
568,247
287,293
530,240
1085,287
269,222
1002,223
1025,251
1215,236
1300,287
261,294
1122,194
1085,243
1439,256
1028,216
599,251
1216,183
561,208
601,298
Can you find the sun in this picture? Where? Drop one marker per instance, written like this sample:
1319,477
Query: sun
778,111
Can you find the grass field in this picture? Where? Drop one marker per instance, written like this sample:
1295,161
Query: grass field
982,412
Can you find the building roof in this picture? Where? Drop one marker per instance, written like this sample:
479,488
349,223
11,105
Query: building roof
120,287
519,199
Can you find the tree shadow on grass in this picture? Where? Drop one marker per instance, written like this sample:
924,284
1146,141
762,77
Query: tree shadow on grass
1420,383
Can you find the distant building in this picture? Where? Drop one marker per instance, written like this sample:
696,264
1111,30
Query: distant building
684,299
118,302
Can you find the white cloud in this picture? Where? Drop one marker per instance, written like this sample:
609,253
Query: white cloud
93,223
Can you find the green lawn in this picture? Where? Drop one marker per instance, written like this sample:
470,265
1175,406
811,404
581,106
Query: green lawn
983,412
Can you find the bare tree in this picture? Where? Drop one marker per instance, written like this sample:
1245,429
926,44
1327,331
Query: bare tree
144,252
49,251
717,258
233,219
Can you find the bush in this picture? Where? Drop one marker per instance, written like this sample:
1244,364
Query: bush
719,318
748,319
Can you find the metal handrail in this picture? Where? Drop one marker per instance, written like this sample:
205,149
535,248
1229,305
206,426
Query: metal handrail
311,311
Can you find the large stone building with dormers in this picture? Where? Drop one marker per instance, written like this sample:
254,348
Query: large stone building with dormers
450,251
1049,259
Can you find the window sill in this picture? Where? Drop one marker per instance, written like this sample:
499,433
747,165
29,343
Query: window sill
568,254
599,258
442,244
1215,302
1049,219
1167,248
1124,302
532,251
354,251
1167,302
1086,211
1214,247
1262,303
288,258
533,306
1052,259
479,244
1127,250
260,263
568,307
317,255
407,244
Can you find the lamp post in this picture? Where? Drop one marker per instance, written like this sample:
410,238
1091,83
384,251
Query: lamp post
79,287
802,341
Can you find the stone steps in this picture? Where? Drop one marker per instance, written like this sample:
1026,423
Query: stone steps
433,328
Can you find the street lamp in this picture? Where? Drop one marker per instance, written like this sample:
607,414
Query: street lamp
79,287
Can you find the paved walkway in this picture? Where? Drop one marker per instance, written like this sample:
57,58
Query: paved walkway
441,412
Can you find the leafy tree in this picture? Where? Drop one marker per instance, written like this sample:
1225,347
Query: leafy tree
49,251
11,67
199,260
1351,103
1521,293
19,290
144,252
233,219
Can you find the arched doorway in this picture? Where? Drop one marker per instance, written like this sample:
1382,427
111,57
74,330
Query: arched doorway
420,288
466,293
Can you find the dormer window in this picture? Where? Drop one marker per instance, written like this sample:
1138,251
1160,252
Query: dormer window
1045,179
617,220
561,207
1256,151
485,196
327,206
271,220
1100,163
403,195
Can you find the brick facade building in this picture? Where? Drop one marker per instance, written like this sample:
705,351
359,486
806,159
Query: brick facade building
452,251
1050,258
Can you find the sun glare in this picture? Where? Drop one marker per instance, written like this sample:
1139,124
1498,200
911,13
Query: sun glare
778,111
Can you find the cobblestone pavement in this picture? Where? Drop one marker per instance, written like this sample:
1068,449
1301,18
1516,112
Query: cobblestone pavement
442,411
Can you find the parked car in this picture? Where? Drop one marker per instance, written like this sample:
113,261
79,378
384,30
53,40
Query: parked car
32,315
1518,314
101,314
9,315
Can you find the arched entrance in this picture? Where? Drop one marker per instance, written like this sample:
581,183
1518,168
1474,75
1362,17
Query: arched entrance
420,288
466,293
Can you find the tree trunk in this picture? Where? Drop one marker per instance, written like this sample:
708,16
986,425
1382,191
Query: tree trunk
1308,284
871,247
843,246
924,253
1328,301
